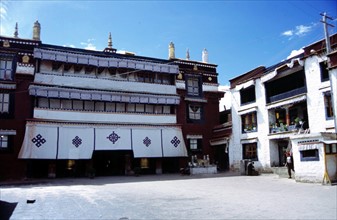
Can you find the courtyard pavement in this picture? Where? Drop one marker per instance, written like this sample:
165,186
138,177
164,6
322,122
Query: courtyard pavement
172,196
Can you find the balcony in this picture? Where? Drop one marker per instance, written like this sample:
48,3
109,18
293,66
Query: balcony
287,94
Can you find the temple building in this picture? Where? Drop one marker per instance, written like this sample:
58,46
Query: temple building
16,74
288,107
73,112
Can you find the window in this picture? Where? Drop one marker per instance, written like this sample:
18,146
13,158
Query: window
120,107
249,123
6,68
331,148
140,107
66,104
131,107
328,106
250,151
247,95
149,108
77,105
194,112
309,155
99,106
89,105
3,142
195,144
110,107
55,103
324,71
193,86
4,102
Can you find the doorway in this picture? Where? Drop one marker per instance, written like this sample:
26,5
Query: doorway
282,148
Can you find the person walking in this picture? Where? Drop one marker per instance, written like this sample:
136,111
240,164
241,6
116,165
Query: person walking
290,163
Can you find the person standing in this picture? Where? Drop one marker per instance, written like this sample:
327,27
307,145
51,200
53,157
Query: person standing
290,163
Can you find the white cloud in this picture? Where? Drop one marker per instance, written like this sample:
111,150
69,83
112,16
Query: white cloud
295,53
288,33
299,31
89,44
3,18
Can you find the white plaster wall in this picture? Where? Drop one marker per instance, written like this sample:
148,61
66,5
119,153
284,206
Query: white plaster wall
235,149
104,84
333,79
76,116
308,171
263,125
315,97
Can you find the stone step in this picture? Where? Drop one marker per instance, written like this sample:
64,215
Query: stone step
282,172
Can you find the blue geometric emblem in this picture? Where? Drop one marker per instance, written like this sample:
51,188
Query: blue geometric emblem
147,141
77,141
113,137
175,141
38,140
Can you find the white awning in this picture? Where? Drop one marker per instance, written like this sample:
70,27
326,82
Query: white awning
329,141
248,110
287,102
78,141
69,93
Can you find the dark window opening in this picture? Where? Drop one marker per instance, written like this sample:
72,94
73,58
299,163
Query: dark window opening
250,151
328,106
249,123
247,95
309,155
324,71
285,87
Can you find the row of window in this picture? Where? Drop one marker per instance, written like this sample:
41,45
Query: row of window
250,152
103,106
121,73
247,95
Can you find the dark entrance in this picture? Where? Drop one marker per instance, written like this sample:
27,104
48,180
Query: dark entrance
109,163
221,157
282,148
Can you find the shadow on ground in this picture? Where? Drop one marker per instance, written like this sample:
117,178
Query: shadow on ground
6,209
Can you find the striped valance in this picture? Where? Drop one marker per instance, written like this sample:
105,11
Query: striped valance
92,60
68,93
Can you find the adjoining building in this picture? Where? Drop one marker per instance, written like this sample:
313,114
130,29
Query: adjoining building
288,107
74,112
16,73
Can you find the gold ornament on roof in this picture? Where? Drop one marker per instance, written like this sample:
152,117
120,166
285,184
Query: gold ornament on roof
25,59
6,43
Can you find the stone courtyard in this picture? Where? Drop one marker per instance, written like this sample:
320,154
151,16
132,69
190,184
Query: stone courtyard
172,196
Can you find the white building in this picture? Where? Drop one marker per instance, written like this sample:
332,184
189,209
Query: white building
288,107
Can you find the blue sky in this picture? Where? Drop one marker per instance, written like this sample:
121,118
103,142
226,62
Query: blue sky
239,35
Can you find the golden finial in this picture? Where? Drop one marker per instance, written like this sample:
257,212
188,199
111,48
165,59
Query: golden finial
171,51
36,31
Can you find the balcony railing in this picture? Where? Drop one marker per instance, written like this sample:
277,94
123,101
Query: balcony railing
287,128
287,94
